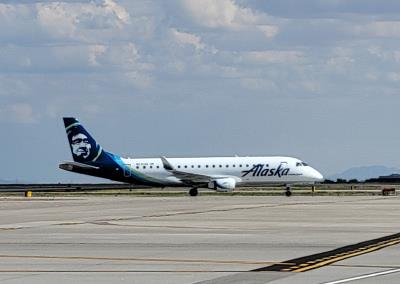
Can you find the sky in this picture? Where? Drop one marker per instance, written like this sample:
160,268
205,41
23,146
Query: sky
314,79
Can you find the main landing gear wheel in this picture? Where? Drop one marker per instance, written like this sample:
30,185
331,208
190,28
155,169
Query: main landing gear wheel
288,192
193,192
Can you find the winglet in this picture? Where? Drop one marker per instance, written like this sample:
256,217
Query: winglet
166,164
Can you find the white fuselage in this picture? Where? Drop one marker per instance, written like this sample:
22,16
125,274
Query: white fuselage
218,173
244,170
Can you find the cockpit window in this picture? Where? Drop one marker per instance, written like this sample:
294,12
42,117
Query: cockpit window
298,164
305,164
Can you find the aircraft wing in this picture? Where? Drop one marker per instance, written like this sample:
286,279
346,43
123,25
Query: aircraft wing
186,177
191,178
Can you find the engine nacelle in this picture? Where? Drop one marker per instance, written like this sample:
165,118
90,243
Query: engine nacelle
223,184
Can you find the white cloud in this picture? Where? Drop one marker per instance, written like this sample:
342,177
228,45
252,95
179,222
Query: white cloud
394,76
57,19
92,108
188,38
223,13
126,58
18,112
14,57
94,52
379,29
10,13
138,79
264,85
311,86
229,15
76,20
371,76
340,62
396,55
273,56
70,36
269,31
118,10
383,54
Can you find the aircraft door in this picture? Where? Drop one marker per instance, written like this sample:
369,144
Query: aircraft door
127,171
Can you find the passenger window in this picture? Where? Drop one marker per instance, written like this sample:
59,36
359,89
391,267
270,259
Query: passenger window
151,167
198,166
233,165
192,166
227,166
213,166
247,165
179,167
158,167
220,166
144,167
240,166
185,166
137,167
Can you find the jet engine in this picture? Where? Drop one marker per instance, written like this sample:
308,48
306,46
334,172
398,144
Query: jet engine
223,184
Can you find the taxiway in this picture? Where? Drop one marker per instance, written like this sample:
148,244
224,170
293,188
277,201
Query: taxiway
207,239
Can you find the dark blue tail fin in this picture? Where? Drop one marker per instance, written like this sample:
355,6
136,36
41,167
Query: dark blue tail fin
83,147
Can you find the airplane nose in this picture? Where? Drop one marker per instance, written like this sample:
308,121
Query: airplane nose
316,175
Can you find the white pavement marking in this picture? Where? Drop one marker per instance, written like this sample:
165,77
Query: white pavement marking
364,276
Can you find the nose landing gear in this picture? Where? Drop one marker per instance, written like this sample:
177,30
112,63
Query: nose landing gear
288,192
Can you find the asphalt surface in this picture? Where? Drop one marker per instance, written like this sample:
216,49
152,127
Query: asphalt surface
206,239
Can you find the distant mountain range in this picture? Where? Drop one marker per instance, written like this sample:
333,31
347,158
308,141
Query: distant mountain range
8,181
363,173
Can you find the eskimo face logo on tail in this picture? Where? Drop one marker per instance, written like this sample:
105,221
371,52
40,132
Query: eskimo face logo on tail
264,170
83,147
80,145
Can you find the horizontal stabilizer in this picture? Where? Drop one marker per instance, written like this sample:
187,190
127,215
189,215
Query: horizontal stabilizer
69,166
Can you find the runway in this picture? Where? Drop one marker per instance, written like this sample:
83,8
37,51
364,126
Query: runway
207,239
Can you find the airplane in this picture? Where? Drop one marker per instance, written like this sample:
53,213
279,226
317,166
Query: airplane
222,174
